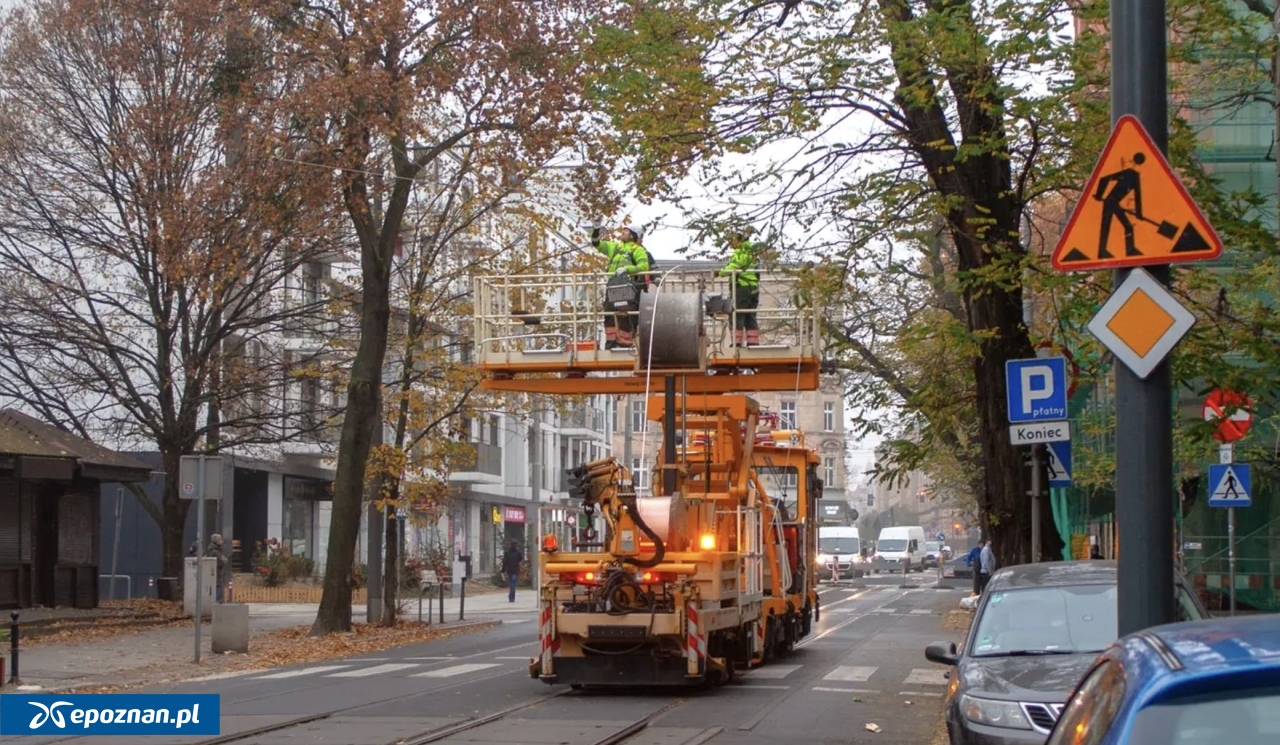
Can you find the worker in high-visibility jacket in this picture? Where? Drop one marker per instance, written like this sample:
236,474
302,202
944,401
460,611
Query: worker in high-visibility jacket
742,270
628,263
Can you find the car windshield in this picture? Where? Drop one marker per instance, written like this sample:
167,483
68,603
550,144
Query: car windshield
1047,620
932,547
1249,716
891,545
838,545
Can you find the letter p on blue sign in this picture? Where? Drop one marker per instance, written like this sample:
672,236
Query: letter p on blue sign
1037,389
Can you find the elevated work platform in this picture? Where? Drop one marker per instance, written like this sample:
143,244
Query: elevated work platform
545,334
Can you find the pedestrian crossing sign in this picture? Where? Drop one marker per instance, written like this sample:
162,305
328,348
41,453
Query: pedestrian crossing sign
1059,463
1229,485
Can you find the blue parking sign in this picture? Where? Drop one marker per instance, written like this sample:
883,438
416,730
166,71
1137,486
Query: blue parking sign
1036,389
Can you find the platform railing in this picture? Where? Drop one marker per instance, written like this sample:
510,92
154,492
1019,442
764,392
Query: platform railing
560,314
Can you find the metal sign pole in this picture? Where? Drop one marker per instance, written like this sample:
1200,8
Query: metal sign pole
199,553
115,546
1231,555
1036,497
1144,415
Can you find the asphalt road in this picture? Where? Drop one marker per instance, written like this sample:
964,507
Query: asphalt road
863,664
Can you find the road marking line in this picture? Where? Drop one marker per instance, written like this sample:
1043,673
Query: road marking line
506,622
455,670
762,687
921,612
850,674
923,676
370,659
885,610
430,658
220,676
375,670
771,672
847,690
930,694
522,659
300,673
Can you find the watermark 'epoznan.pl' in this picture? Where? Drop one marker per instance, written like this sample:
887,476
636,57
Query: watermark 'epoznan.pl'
110,714
89,717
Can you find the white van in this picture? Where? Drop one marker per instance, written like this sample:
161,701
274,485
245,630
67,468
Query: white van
898,545
839,553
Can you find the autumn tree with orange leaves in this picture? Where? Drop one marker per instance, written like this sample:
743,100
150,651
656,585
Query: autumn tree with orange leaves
141,268
392,88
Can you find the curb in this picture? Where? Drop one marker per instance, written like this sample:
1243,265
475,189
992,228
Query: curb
479,624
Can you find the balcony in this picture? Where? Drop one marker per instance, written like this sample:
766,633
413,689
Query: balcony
582,423
486,470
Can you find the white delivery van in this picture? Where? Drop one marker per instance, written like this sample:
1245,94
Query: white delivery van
839,553
898,545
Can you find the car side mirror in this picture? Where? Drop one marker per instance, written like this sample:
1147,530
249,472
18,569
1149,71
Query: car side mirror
943,653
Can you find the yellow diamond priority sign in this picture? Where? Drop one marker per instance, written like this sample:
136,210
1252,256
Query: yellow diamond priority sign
1141,323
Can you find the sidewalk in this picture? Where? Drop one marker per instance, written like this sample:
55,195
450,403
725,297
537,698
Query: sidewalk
482,604
164,655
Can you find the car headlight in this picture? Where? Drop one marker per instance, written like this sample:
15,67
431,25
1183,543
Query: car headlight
993,713
823,558
856,559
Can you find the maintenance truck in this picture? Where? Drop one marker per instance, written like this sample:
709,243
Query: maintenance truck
711,573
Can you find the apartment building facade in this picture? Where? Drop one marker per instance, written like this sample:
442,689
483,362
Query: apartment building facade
497,502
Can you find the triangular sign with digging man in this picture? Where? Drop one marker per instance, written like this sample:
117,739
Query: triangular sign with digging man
1134,211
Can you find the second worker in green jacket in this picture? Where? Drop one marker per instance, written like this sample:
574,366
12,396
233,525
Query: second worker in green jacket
743,268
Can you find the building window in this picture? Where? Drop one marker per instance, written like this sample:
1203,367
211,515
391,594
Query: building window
615,423
829,466
639,476
638,421
787,415
493,429
310,395
829,416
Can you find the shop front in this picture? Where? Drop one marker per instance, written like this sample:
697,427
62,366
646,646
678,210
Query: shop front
300,515
505,524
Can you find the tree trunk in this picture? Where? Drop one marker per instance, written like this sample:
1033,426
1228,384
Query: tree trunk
172,528
363,414
1004,505
390,562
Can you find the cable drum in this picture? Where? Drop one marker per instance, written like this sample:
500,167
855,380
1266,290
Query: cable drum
659,514
672,321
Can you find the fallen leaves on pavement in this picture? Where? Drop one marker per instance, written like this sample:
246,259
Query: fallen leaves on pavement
294,646
131,616
957,620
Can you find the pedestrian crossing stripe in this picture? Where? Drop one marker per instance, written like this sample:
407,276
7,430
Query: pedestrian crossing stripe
303,671
772,672
850,674
375,670
837,679
449,672
926,676
1229,485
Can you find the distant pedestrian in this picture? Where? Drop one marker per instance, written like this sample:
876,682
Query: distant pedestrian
511,567
1095,552
986,566
215,551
